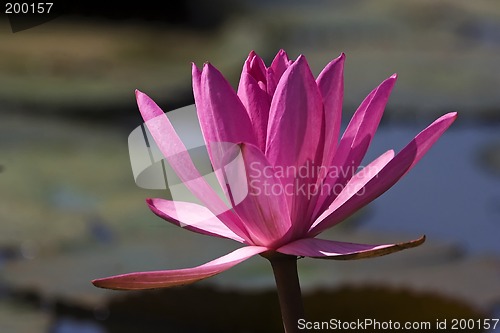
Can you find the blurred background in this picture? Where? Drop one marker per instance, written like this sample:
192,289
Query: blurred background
70,211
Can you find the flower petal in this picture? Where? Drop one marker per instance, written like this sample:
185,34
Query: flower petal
403,162
356,139
294,132
257,195
331,85
363,125
223,118
177,277
357,182
254,65
192,217
274,73
257,103
327,249
178,157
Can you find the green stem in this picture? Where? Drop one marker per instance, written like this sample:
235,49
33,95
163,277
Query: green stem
287,283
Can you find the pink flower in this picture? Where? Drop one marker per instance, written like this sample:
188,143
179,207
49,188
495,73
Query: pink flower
275,150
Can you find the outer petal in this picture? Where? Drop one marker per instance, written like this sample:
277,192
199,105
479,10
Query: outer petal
178,157
293,135
326,249
357,138
331,85
388,175
357,182
257,195
192,217
177,277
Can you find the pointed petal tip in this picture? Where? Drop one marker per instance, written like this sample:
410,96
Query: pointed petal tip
282,54
194,67
390,153
139,94
388,83
147,107
300,62
106,283
301,58
209,69
448,118
97,283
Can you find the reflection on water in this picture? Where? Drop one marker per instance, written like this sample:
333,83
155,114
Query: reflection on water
449,195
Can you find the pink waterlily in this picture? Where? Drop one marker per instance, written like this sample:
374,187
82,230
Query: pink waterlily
281,121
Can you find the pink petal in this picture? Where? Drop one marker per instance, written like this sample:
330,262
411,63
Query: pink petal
274,73
178,157
327,249
294,132
356,183
331,85
196,74
177,277
257,103
223,118
357,138
257,196
254,65
280,64
192,217
389,174
363,125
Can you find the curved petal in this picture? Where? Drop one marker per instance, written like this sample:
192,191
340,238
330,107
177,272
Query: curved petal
178,157
192,217
257,103
196,74
177,277
403,162
327,249
223,118
356,138
278,66
293,135
331,85
356,183
280,63
254,65
257,195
